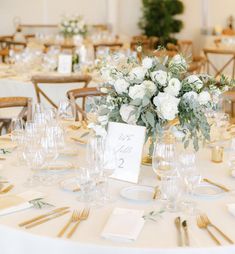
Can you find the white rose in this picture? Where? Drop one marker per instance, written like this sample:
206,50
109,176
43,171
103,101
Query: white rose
105,74
127,113
167,105
178,59
76,30
204,97
121,86
73,24
195,81
159,76
173,87
137,92
150,87
69,29
147,62
65,23
190,96
137,73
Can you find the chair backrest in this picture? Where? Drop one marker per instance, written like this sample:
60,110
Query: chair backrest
83,93
55,80
12,102
112,46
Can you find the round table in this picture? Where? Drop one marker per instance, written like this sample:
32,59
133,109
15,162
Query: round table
156,237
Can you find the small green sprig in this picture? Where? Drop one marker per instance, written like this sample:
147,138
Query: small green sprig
39,204
154,215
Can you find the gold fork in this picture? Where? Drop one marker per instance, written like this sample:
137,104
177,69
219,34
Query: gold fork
206,220
201,224
82,216
74,218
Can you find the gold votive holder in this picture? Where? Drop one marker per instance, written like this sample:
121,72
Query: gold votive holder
217,154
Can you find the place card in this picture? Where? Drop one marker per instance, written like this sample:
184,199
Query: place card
65,64
127,140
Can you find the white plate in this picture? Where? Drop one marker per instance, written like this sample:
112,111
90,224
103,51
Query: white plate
138,193
69,184
208,191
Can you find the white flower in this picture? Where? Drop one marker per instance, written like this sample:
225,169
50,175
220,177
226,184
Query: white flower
127,113
76,30
150,87
121,86
98,129
65,23
105,74
159,76
73,24
178,59
137,91
167,105
190,96
204,97
69,29
103,90
147,62
195,81
173,87
137,73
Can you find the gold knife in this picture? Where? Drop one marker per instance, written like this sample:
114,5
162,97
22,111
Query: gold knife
7,189
79,140
186,235
216,184
47,219
156,193
43,216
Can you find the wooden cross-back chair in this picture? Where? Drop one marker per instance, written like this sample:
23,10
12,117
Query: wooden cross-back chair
112,46
222,52
56,80
147,43
83,93
12,102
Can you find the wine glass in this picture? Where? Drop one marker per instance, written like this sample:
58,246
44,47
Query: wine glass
17,130
66,113
191,177
172,188
164,158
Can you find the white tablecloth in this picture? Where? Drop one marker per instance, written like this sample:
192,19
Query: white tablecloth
156,237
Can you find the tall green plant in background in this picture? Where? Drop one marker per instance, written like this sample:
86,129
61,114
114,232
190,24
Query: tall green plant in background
159,19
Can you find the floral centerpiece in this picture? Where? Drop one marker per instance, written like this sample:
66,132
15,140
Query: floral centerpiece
157,92
70,26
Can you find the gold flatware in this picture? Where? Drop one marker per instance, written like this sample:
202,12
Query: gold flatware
156,193
82,216
206,220
74,218
84,124
7,189
74,127
47,219
43,216
216,184
201,224
179,231
76,189
2,159
186,235
78,140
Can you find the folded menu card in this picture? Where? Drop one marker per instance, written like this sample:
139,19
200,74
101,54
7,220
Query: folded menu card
123,225
15,203
231,208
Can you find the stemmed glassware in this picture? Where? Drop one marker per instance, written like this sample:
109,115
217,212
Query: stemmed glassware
191,177
66,112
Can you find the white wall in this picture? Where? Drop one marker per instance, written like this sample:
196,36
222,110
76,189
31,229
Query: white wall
96,11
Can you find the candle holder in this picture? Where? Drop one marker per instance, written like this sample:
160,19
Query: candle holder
217,154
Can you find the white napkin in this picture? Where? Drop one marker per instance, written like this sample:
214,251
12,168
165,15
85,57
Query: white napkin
15,203
123,225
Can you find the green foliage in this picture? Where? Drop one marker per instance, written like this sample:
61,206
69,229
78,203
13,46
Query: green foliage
158,19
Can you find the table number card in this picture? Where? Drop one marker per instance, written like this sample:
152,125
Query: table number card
65,64
128,141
